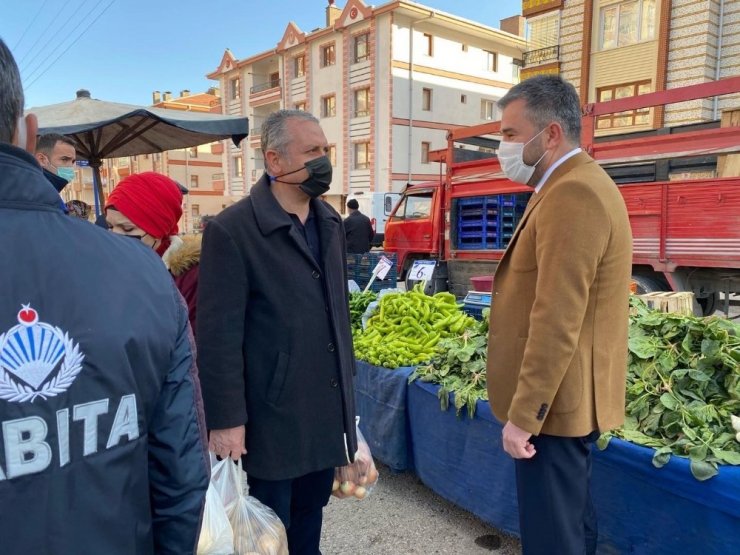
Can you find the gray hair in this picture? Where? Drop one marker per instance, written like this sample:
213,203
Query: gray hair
275,130
549,98
11,94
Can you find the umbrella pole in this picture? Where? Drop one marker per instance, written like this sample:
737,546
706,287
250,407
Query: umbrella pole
97,186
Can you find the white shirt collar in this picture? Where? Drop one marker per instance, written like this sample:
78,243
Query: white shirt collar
551,169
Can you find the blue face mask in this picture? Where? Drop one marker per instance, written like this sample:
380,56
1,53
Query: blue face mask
66,173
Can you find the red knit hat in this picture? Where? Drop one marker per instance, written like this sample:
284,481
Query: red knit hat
151,201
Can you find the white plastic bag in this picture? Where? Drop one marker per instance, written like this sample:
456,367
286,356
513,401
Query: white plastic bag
257,529
216,536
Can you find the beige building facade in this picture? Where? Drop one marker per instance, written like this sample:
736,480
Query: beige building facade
386,83
612,49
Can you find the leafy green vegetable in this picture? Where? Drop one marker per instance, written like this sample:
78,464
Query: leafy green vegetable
460,368
683,385
358,303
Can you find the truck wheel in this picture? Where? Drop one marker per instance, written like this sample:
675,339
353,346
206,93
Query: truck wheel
708,304
649,284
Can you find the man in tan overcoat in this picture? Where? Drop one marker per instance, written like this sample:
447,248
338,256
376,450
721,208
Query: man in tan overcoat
559,317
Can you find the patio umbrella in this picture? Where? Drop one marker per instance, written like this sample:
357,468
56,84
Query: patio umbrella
102,129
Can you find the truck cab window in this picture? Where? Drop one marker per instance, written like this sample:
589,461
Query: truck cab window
419,206
415,207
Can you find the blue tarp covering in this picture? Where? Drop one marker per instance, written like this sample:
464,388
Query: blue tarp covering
641,509
380,395
463,459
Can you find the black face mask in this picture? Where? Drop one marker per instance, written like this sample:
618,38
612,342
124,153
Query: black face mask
319,177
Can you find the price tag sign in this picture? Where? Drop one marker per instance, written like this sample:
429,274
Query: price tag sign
383,267
422,270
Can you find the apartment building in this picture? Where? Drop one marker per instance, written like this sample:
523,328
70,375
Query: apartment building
386,83
613,49
199,169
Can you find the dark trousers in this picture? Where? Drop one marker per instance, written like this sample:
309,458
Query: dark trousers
556,515
299,503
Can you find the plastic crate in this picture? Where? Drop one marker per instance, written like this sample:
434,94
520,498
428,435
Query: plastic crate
471,201
470,243
471,227
360,269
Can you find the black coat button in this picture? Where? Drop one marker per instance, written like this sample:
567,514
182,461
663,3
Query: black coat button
330,347
333,382
316,274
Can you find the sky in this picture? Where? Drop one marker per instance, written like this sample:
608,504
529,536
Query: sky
122,50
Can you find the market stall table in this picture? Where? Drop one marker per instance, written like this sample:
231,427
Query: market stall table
641,509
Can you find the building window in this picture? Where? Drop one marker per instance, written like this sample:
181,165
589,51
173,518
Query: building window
543,31
630,117
627,23
425,147
332,154
362,156
491,61
362,102
463,99
275,79
238,168
328,56
488,110
193,181
193,152
362,51
301,106
235,88
464,47
329,106
429,44
426,99
299,66
195,210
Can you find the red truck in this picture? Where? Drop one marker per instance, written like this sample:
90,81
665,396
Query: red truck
686,232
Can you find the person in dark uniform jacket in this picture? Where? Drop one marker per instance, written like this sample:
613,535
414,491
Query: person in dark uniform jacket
103,445
358,229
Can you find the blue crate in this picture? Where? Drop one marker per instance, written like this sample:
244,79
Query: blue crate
470,243
476,213
360,268
479,234
471,201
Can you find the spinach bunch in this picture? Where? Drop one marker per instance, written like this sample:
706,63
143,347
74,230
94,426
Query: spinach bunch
460,368
358,303
683,385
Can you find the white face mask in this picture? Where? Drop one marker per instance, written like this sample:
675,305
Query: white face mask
511,157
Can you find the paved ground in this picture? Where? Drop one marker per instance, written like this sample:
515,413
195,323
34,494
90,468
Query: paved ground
403,517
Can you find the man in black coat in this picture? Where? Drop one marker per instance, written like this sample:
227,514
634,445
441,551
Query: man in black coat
358,229
274,341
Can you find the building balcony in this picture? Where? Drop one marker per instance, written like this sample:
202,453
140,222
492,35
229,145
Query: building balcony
274,84
541,56
265,93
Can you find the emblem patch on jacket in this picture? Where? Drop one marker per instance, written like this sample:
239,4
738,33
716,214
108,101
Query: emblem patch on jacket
36,359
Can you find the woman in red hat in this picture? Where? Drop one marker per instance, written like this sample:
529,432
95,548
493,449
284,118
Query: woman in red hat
147,206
